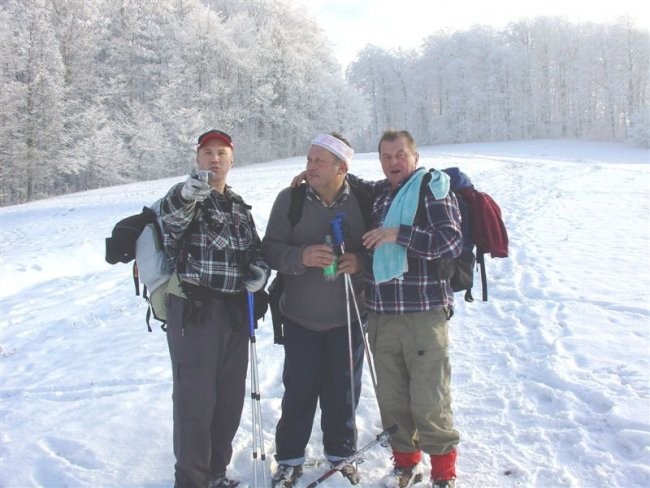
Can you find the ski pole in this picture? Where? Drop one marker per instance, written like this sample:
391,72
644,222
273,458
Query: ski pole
351,361
337,231
366,346
256,407
381,437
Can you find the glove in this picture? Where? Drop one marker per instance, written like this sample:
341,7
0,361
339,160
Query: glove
255,278
195,189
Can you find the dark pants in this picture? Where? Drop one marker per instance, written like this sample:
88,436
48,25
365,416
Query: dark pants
209,361
317,367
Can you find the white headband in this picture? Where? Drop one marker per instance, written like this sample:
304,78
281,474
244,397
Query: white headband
335,146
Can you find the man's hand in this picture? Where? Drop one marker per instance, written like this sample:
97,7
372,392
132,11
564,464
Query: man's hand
195,189
317,256
376,237
348,263
298,179
255,278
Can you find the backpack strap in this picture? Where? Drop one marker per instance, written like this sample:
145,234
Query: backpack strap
420,215
276,287
365,199
480,260
136,282
468,295
297,202
275,291
145,295
136,279
442,268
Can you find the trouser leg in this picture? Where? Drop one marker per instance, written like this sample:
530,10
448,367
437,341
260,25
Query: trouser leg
303,356
413,375
427,358
392,380
337,417
231,390
198,354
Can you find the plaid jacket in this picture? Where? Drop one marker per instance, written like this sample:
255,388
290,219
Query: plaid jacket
212,242
441,237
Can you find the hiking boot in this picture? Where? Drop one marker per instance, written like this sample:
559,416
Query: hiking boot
222,481
351,472
443,483
401,477
285,476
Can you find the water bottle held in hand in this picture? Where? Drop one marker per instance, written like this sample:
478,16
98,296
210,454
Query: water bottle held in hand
329,272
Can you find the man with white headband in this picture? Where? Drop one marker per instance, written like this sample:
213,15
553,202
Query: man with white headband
336,146
314,317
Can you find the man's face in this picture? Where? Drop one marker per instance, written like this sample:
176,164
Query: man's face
397,160
323,169
214,155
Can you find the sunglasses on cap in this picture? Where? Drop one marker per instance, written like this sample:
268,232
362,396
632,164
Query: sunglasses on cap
215,134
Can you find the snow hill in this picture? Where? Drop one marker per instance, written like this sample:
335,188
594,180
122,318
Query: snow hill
551,376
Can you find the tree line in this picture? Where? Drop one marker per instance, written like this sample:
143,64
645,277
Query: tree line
95,93
99,93
540,78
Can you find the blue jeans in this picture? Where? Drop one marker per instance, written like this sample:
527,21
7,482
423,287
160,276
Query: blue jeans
317,367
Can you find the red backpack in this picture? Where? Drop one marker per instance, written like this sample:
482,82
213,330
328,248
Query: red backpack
487,229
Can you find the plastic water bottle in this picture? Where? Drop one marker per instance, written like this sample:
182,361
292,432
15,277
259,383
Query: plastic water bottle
329,272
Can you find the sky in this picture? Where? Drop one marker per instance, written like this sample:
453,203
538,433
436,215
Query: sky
351,24
550,376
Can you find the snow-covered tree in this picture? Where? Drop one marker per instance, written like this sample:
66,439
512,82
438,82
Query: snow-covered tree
34,71
97,93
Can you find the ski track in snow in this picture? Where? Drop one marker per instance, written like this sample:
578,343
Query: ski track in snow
551,377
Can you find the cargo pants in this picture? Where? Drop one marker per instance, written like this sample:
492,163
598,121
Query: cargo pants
411,360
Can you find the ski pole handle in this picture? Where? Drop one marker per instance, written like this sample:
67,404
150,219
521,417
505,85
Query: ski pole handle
251,312
337,229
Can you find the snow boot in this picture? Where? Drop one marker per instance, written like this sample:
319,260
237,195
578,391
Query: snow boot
443,483
222,481
351,473
285,476
401,477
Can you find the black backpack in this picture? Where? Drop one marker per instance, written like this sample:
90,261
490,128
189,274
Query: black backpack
275,289
138,238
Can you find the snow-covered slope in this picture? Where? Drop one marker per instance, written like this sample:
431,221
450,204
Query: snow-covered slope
551,376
